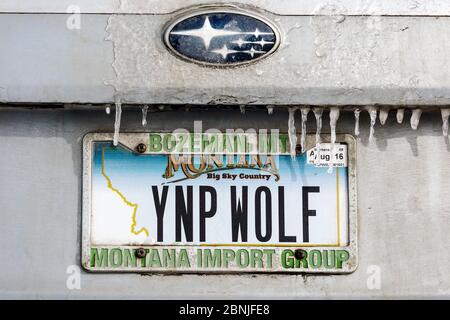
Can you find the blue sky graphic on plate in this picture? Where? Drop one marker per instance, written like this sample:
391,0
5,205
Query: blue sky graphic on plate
222,38
126,186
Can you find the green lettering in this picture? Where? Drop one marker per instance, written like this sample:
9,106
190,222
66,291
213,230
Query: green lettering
155,260
99,260
329,259
213,260
169,142
228,255
183,261
242,258
129,258
256,258
287,259
115,257
169,257
154,142
303,262
269,253
315,258
342,256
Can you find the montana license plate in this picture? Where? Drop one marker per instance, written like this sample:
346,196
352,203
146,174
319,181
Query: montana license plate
166,202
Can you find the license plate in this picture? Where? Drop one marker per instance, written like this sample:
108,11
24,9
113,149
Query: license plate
164,202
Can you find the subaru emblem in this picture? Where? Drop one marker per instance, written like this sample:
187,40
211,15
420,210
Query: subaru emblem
222,37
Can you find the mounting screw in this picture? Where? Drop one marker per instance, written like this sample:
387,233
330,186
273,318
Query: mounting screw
140,253
141,148
299,254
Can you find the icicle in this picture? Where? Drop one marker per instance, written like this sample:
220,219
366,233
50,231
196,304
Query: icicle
117,122
445,115
415,118
108,109
269,109
384,113
357,112
373,112
144,115
242,107
400,115
334,117
292,132
318,113
304,111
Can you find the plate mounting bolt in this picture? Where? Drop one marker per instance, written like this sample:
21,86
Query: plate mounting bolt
140,253
299,254
141,148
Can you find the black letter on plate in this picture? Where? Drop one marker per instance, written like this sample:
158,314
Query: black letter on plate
268,210
183,212
239,215
160,206
306,212
281,218
206,214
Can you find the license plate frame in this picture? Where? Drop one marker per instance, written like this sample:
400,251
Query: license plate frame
191,253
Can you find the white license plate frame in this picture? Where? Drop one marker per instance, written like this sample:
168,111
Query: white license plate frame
292,252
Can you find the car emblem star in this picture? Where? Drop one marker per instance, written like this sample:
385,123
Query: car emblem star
252,52
224,51
206,33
